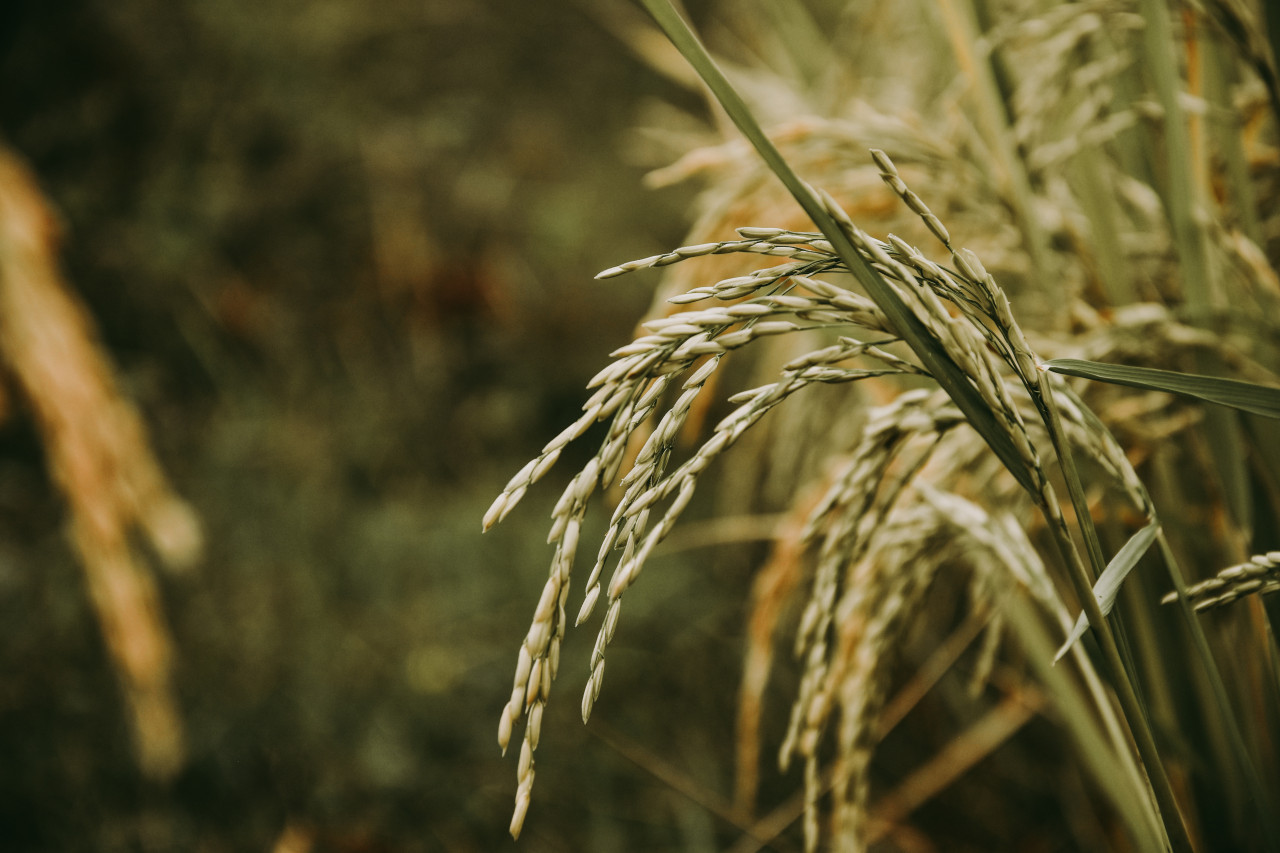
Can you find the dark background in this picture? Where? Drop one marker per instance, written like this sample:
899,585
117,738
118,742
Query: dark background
341,255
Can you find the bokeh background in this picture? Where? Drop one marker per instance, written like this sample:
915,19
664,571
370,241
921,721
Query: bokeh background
340,256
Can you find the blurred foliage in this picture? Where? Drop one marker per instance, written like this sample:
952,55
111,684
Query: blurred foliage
341,255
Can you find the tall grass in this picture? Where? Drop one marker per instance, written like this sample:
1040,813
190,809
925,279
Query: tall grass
1114,166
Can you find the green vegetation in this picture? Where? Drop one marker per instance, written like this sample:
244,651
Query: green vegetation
1114,173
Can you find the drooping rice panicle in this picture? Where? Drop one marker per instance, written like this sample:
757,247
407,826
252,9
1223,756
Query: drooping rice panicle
782,300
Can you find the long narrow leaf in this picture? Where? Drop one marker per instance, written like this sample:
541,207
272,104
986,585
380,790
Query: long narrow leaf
1081,723
935,357
1245,396
1108,584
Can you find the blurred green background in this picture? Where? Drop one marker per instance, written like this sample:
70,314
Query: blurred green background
341,254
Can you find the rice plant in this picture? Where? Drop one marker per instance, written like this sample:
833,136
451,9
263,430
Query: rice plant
1069,420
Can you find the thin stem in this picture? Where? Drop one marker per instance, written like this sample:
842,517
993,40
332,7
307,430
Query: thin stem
1080,578
1245,765
1186,193
1079,722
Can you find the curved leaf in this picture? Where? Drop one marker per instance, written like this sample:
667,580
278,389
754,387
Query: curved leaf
1108,585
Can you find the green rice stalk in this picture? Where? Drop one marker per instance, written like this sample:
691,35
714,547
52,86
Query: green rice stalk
1080,723
1187,206
948,375
934,357
1221,703
1123,680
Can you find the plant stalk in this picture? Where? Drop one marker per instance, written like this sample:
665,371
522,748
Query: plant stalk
1122,679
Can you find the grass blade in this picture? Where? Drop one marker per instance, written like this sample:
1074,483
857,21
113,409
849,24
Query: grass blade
1124,682
1187,199
913,332
1245,396
1080,722
930,351
1108,584
1233,733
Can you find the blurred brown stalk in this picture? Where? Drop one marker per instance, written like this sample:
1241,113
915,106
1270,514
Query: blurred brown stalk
98,455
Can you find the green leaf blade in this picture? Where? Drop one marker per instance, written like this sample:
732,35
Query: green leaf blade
1108,584
1232,393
